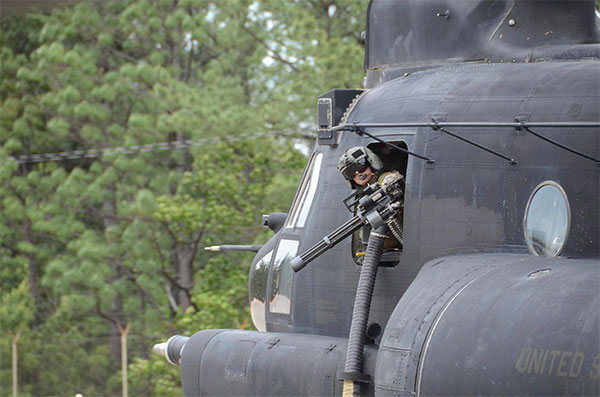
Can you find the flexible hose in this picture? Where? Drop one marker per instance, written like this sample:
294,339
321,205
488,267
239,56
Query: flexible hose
362,303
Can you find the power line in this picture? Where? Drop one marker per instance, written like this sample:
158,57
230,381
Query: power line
150,147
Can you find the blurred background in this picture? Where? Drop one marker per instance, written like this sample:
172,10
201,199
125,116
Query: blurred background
132,134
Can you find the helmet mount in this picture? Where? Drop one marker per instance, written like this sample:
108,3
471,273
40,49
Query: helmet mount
358,159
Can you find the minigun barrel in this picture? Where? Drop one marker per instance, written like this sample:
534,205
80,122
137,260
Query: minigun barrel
327,242
375,208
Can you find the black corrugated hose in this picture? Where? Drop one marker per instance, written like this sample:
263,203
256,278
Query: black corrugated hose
362,306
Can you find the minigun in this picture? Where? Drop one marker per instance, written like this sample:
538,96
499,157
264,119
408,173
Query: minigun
378,205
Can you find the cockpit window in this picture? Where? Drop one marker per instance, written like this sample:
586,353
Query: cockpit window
547,220
306,192
282,277
258,291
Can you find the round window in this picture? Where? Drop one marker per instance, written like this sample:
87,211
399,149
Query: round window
547,220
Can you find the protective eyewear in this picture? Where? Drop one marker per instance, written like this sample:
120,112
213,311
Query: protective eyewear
355,165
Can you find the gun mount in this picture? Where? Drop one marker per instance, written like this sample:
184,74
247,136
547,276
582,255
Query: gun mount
379,203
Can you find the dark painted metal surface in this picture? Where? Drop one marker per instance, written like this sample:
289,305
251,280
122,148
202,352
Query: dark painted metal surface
469,200
404,36
246,363
495,325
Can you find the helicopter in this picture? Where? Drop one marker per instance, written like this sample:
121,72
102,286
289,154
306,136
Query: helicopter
490,112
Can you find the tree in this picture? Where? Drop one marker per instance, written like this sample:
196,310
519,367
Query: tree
15,315
203,105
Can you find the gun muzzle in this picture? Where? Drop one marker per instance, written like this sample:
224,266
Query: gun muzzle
297,264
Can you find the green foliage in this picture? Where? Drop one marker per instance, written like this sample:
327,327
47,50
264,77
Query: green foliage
143,379
91,244
15,308
221,297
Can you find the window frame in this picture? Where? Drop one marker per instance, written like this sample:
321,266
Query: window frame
307,189
267,259
273,274
526,214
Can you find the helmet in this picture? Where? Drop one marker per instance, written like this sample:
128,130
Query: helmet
358,159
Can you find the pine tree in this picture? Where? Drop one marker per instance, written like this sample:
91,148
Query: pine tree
114,237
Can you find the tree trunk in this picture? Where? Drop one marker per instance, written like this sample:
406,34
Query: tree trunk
34,280
15,359
123,335
110,219
185,274
143,339
34,292
185,250
114,333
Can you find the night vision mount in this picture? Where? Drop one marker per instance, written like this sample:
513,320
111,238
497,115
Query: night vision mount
378,205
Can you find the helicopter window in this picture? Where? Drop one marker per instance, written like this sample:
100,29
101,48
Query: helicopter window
393,160
258,290
306,192
547,220
282,277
